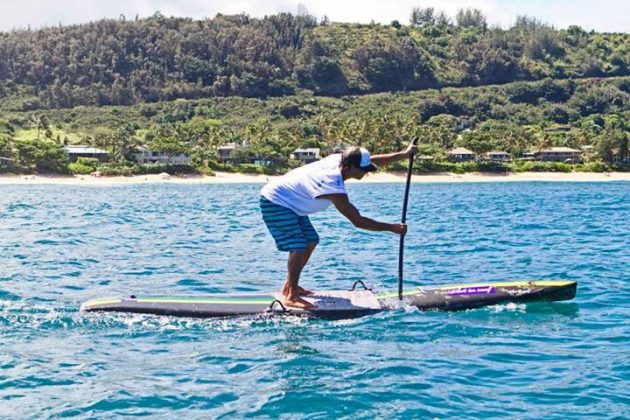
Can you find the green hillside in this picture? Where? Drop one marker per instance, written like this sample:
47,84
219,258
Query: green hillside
283,82
125,62
515,117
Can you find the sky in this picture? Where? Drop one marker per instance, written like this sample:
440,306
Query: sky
600,15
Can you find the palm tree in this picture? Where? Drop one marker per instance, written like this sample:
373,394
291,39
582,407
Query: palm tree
41,122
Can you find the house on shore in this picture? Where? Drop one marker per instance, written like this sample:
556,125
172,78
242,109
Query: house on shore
561,128
558,154
79,151
527,156
497,156
306,155
463,123
145,155
618,158
461,154
227,152
589,153
6,163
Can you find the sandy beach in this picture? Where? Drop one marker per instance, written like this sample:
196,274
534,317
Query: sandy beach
231,178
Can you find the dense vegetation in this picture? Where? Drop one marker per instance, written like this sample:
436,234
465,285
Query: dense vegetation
125,62
515,117
282,82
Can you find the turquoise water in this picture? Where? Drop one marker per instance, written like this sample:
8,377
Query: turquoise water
61,245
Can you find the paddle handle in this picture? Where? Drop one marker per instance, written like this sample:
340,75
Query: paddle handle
404,220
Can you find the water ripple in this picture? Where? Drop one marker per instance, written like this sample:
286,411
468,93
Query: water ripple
61,245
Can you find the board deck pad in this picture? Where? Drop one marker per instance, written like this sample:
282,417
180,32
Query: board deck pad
341,300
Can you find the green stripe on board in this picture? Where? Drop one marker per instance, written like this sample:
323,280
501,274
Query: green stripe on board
213,301
102,302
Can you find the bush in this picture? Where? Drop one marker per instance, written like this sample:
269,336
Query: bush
251,168
93,162
531,166
115,170
221,167
432,167
492,166
207,171
158,168
78,168
83,166
458,168
594,167
620,167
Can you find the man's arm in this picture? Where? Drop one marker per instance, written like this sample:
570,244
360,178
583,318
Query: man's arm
393,157
346,208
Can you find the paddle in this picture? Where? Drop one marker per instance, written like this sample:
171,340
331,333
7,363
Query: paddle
404,220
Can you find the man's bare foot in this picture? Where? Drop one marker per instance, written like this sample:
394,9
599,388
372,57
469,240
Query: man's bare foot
286,290
303,292
295,301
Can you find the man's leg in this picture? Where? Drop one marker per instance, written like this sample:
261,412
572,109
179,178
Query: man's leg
307,254
291,289
305,257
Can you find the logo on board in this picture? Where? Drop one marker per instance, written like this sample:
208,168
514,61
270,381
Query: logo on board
477,290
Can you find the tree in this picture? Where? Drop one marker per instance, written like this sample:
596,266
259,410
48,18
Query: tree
442,19
543,139
41,122
612,143
327,76
430,108
169,139
597,100
479,141
422,16
557,113
121,142
487,65
521,92
471,18
6,146
41,156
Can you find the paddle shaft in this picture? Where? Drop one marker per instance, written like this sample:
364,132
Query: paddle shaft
404,220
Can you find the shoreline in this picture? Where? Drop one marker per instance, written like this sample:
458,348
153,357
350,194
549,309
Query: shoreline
381,177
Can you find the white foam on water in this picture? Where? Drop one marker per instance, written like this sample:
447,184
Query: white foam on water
508,307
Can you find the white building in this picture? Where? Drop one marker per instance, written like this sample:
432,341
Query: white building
461,154
79,151
144,155
463,123
227,151
497,156
306,155
558,154
6,162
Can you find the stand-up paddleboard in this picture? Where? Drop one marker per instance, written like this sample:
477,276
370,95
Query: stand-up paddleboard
340,304
345,304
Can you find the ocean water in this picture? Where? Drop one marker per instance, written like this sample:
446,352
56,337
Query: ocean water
61,245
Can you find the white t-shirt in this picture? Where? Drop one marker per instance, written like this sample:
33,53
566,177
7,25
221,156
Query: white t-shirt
298,189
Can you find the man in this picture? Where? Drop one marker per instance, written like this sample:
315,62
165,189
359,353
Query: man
287,201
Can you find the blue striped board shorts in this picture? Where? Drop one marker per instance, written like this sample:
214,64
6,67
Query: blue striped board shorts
291,231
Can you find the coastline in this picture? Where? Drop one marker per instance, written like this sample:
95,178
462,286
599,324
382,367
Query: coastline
380,177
